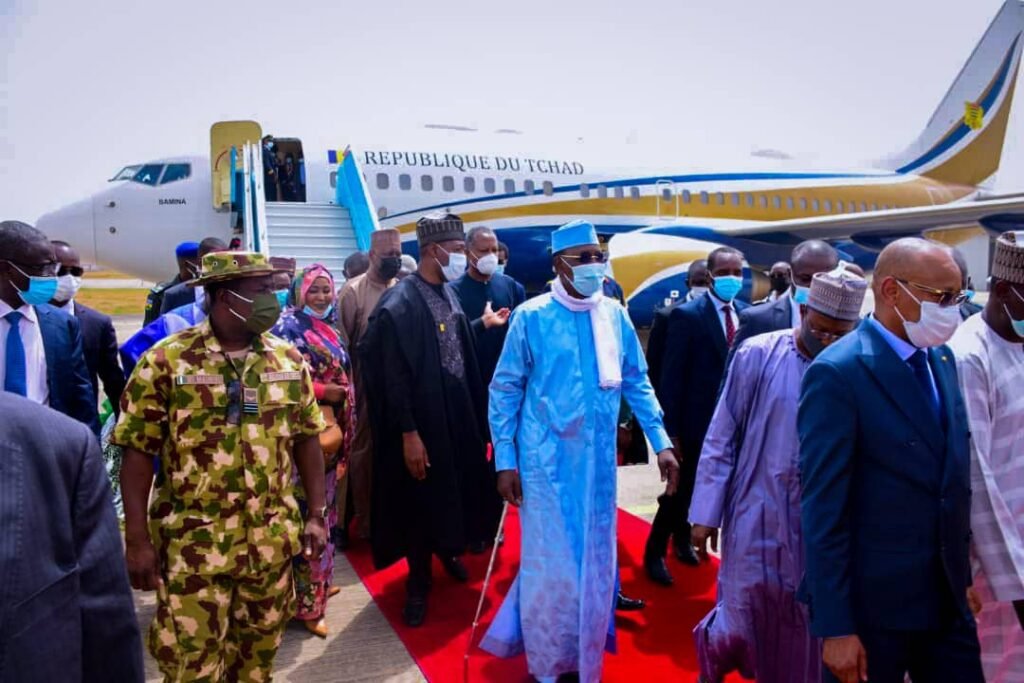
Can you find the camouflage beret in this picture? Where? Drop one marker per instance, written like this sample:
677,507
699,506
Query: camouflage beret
221,266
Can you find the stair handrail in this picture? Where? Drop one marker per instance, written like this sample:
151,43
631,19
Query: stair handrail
251,239
260,201
352,193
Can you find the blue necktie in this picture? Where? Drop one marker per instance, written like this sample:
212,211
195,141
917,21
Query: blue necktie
919,363
16,372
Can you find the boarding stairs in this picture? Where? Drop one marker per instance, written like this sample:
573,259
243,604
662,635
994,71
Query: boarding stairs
309,232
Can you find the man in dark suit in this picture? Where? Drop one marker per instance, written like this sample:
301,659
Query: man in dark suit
99,340
807,258
66,611
40,346
183,293
697,340
884,463
697,281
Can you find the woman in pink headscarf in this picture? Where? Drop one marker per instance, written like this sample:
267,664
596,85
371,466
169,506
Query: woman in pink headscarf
310,325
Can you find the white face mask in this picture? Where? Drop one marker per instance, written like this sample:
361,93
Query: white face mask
456,265
696,292
487,264
936,326
67,288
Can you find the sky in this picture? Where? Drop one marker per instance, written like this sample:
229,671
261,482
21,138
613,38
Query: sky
88,87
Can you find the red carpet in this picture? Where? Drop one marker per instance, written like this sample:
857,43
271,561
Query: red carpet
654,645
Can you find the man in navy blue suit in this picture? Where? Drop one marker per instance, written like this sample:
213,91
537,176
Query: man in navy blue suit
698,336
884,464
40,346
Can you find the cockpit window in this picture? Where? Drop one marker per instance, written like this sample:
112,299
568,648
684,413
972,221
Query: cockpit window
176,172
148,174
126,173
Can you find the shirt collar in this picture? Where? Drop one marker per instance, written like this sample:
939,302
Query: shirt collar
28,311
68,307
718,302
903,349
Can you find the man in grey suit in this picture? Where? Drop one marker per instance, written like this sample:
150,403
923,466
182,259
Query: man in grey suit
66,611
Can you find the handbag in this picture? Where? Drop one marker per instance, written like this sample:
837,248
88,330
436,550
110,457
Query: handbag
330,438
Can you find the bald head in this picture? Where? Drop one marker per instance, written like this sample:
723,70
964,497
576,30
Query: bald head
811,257
908,272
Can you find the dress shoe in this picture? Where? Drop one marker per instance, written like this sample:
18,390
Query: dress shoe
415,612
453,565
573,677
686,555
657,571
318,627
624,604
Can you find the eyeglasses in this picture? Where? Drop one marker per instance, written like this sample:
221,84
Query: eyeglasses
825,337
588,257
944,297
77,271
45,269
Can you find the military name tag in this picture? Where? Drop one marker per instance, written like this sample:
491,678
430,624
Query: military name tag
291,376
184,380
250,401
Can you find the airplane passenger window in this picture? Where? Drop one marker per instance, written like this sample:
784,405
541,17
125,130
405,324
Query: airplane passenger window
176,172
634,192
721,198
750,199
703,197
382,212
528,186
686,196
803,203
839,206
584,190
863,206
448,183
426,183
404,182
789,203
602,192
828,206
619,193
735,198
148,174
383,181
763,201
666,194
777,202
469,184
510,186
549,188
489,185
816,205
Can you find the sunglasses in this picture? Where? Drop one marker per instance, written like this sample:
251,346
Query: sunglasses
588,257
943,297
77,271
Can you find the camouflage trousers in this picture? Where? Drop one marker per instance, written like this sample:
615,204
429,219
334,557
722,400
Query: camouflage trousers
221,628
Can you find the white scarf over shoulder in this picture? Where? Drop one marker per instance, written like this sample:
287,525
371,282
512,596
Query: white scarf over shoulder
605,329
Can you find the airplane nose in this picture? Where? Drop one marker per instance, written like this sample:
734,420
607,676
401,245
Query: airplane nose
72,224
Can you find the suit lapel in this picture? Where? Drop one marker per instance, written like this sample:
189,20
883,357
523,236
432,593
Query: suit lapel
784,314
946,380
714,325
50,350
895,378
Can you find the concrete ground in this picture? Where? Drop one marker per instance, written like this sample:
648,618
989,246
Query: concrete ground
361,645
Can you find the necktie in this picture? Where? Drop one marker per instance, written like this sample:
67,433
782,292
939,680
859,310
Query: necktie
919,363
730,326
15,373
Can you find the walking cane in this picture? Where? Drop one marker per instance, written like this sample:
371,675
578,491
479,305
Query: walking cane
483,592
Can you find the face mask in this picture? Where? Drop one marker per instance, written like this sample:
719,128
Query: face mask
727,286
936,326
801,295
41,289
389,266
779,284
969,293
319,316
812,344
282,298
1018,325
265,312
456,265
499,269
698,291
588,278
67,288
487,264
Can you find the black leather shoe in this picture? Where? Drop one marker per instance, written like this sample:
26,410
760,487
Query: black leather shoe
686,555
453,565
657,571
415,612
573,677
624,604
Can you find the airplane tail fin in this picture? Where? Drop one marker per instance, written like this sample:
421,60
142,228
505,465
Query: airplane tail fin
963,141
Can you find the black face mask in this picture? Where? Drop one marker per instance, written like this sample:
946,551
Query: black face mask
780,283
389,266
813,345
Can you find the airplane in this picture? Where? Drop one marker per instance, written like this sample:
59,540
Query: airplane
656,218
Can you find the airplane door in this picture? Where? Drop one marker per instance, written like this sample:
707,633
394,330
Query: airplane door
667,200
223,136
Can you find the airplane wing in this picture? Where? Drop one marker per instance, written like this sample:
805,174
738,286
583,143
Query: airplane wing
874,227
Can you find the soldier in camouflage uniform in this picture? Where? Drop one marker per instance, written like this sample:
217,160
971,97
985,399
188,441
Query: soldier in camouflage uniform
186,254
225,406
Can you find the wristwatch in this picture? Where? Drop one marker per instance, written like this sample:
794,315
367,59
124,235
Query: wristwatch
320,513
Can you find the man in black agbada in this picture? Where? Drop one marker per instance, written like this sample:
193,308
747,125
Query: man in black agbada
433,489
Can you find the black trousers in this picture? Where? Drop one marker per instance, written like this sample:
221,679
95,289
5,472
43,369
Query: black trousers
1019,606
949,654
673,512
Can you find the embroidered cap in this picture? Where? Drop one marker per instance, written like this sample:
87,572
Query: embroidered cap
838,293
439,227
1008,262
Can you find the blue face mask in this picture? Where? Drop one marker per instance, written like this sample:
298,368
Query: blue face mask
801,294
1018,325
319,316
727,286
500,270
588,278
969,293
282,298
40,288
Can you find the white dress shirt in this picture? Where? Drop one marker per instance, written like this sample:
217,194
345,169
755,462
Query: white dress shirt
721,314
68,307
794,309
35,355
